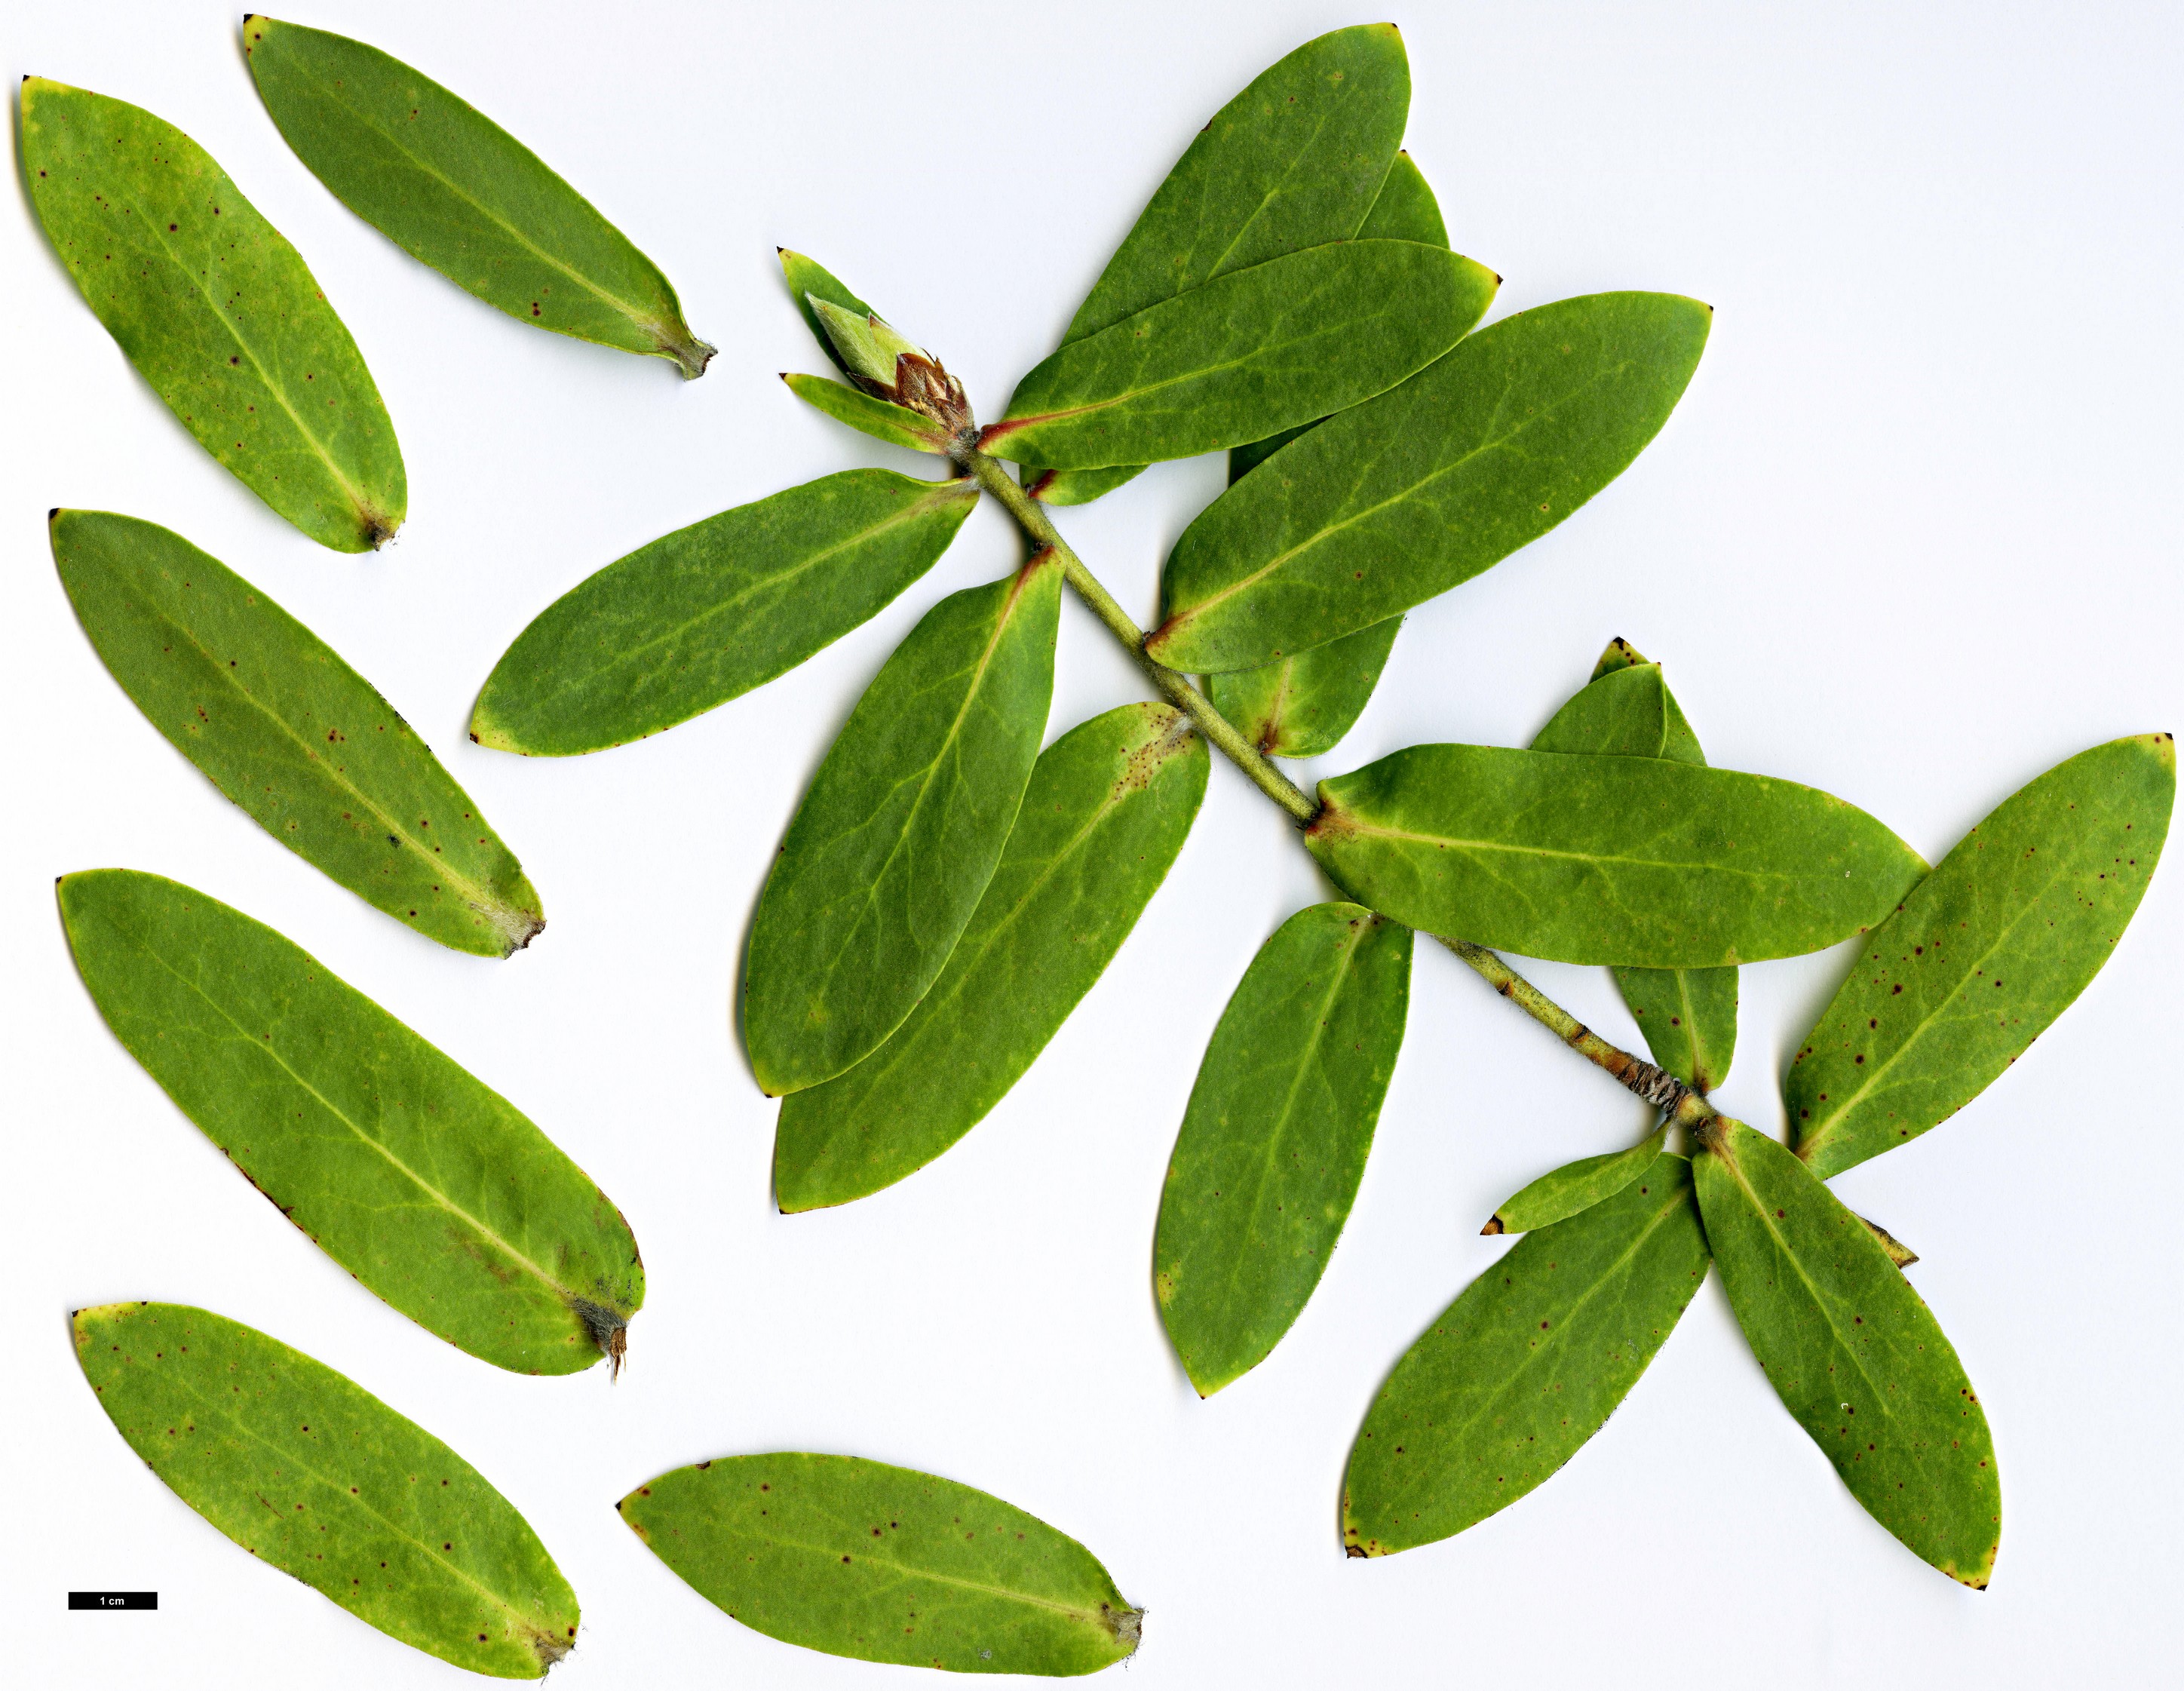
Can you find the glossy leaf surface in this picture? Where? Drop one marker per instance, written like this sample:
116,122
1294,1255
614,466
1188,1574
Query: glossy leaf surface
1984,954
1400,499
704,614
1562,1194
892,848
216,310
1404,211
456,191
424,1183
883,420
1274,1141
1107,809
1302,706
315,1476
1615,859
1688,1015
1235,359
1297,160
1854,1352
884,1563
281,725
1524,1367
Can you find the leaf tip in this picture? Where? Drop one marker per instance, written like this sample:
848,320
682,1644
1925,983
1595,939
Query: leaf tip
1493,1226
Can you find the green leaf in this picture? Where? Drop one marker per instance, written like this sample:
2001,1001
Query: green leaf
426,1185
898,833
1576,1186
1400,499
1688,1015
1614,860
1296,160
1300,707
809,280
1275,1141
313,1474
1524,1366
1406,210
301,741
1853,1352
704,614
1254,351
1983,954
456,191
216,310
897,425
1107,809
884,1563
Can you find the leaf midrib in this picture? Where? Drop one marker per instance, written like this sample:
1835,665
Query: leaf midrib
829,1552
440,1198
1352,824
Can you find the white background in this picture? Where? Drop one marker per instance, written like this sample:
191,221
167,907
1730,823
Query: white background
1912,537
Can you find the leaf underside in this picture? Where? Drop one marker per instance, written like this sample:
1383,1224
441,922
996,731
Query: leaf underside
427,1185
1563,1192
1524,1366
1303,706
1852,1351
299,740
313,1474
216,310
883,1564
456,192
1983,954
1107,809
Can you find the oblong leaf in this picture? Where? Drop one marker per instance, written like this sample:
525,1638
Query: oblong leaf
310,1472
892,848
1298,158
1107,809
884,1563
1241,356
456,191
1852,1351
808,278
1303,706
1983,954
1524,1366
424,1183
1615,859
281,725
1275,1141
1405,210
216,310
1403,498
1562,1194
1688,1015
704,614
897,425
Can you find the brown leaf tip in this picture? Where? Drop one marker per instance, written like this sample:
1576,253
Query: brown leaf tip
1493,1226
1127,1625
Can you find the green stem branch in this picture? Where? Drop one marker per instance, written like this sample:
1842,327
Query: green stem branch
1655,1084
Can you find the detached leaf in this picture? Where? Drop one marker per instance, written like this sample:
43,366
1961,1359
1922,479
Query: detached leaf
1853,1352
1107,809
456,191
281,725
313,1474
1406,210
1303,706
1614,860
1235,359
884,1563
1296,160
898,833
424,1183
1576,1186
1274,1144
705,614
1524,1367
1688,1015
216,311
1983,954
1400,499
